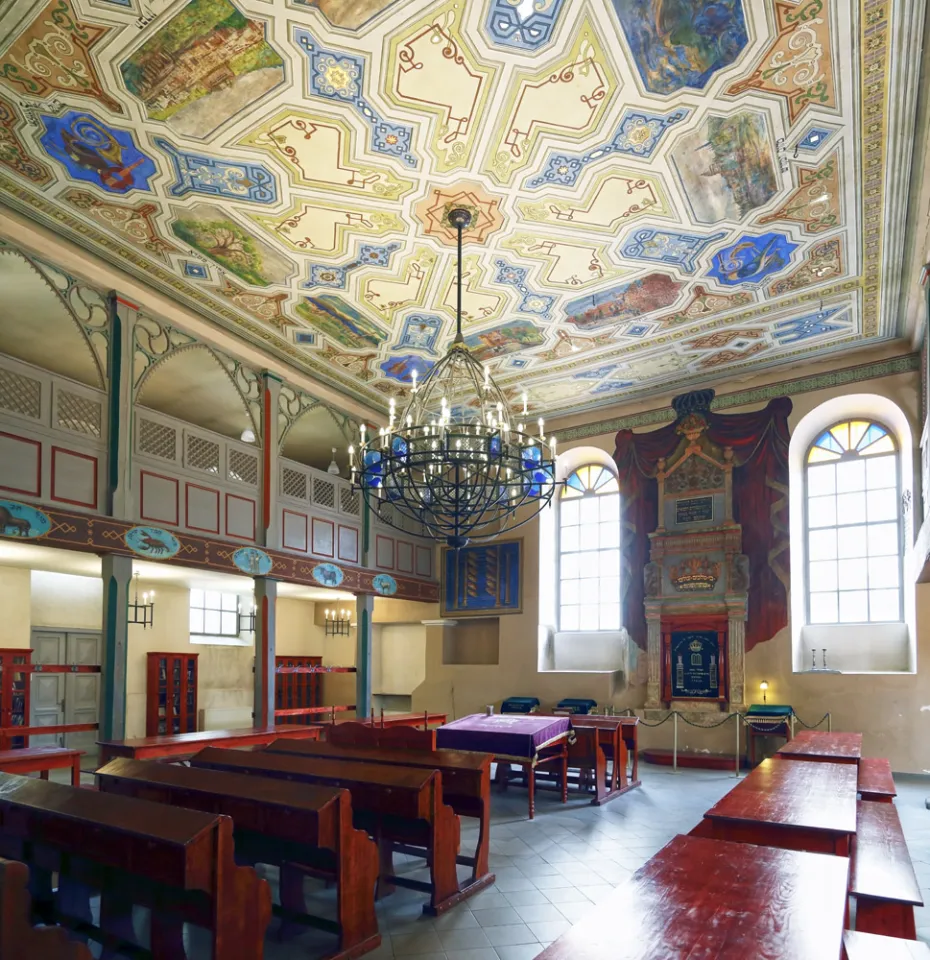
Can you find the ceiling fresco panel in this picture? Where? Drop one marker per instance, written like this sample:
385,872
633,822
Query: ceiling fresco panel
664,193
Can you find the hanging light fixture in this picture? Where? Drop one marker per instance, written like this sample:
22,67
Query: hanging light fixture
142,613
337,623
246,621
457,461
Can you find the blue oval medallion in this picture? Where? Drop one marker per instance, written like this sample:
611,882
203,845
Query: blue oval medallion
327,574
152,542
21,520
252,561
385,584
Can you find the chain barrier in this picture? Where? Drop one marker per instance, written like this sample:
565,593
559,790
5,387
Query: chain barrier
758,725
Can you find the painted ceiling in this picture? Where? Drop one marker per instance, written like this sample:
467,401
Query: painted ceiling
665,192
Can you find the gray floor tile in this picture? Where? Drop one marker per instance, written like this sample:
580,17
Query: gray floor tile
509,935
488,953
408,944
521,951
525,898
497,917
471,938
537,913
549,930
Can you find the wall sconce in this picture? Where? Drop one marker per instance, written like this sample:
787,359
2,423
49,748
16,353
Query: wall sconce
336,623
142,613
763,687
247,621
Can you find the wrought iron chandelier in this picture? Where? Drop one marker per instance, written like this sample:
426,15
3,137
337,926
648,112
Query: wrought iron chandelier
456,461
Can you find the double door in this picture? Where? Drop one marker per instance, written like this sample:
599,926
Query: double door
60,698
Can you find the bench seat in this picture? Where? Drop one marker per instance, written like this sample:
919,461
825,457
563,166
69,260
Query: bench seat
870,946
883,880
875,780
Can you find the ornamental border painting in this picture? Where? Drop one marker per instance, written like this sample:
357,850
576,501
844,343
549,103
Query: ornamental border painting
482,581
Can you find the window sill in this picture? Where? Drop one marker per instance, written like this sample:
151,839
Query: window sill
855,673
220,641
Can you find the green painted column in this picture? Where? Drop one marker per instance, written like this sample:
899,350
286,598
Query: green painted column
119,502
117,573
364,610
269,533
266,595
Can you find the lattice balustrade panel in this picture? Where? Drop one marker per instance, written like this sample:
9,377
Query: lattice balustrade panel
293,484
79,414
324,493
157,440
350,501
20,394
243,467
203,454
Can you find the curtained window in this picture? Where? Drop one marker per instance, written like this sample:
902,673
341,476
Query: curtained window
589,551
852,525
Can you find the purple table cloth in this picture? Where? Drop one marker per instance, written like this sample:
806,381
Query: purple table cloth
504,735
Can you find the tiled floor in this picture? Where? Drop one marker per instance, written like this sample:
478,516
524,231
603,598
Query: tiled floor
552,870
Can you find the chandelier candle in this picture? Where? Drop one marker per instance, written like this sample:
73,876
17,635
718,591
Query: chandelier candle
452,462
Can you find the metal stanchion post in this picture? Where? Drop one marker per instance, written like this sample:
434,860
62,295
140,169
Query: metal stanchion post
675,742
738,721
791,725
829,723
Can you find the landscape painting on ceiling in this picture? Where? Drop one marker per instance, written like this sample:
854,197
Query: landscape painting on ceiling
726,167
682,43
338,319
202,67
624,302
208,229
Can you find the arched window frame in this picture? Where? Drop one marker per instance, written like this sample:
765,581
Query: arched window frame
848,440
598,596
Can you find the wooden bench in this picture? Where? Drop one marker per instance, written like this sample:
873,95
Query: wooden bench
875,780
820,745
357,734
883,880
299,828
396,805
466,786
870,946
42,759
19,940
181,746
179,863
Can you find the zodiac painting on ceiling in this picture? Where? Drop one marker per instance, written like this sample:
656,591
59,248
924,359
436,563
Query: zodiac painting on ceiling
206,64
401,368
752,259
624,302
94,152
682,43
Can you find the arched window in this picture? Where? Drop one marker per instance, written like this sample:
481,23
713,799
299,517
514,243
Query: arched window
852,520
589,550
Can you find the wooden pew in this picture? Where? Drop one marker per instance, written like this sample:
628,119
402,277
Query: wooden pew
883,880
396,805
299,828
875,780
181,746
177,862
466,786
19,940
870,946
357,734
42,759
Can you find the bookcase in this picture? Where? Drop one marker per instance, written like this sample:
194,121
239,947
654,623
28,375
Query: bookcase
295,691
14,692
171,694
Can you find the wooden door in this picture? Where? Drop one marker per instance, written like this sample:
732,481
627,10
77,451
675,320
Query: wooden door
82,690
48,689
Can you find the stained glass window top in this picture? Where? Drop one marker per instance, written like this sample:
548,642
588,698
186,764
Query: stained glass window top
589,480
850,439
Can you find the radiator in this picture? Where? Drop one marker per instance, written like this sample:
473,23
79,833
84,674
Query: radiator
224,718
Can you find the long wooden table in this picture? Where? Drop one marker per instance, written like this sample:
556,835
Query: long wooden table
796,806
179,863
701,898
297,827
425,719
394,804
819,745
42,759
466,786
185,744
